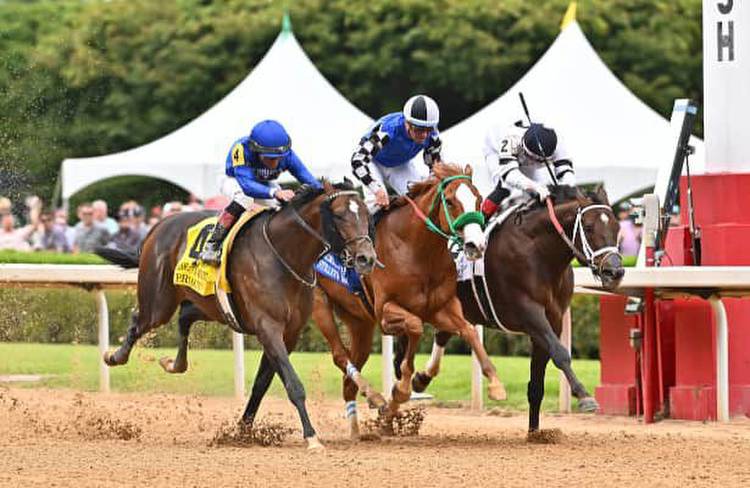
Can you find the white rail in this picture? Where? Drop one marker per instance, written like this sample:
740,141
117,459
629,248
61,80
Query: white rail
95,278
705,281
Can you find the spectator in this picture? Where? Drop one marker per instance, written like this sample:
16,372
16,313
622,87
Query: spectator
5,205
88,234
194,204
172,208
155,216
11,237
49,236
61,220
629,238
127,238
101,217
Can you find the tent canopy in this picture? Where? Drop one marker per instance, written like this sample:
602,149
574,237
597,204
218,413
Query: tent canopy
285,86
613,137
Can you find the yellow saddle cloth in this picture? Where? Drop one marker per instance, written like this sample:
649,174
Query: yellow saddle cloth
201,277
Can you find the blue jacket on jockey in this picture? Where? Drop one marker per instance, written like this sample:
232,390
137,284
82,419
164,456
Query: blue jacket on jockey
254,177
399,148
268,139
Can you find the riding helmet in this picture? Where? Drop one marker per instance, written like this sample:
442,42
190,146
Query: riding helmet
269,139
539,142
422,111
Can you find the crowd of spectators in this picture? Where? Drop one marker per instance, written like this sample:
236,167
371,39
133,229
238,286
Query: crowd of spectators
34,228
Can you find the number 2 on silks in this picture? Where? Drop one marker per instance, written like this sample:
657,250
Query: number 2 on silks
200,241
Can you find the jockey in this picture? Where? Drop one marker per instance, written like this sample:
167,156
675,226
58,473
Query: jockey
521,159
384,153
253,165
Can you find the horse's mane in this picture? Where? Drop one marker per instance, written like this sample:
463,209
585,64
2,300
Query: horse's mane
565,193
439,171
306,193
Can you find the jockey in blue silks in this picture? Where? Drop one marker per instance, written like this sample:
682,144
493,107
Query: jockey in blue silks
384,153
253,165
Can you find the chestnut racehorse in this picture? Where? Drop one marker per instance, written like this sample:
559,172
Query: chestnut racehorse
416,285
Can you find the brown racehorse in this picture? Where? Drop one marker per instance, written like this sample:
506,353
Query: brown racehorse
417,284
270,272
530,283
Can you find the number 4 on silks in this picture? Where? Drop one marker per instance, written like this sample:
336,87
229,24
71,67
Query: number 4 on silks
200,241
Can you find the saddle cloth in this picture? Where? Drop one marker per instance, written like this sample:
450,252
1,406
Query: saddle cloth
201,277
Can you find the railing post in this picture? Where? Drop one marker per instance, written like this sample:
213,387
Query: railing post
102,313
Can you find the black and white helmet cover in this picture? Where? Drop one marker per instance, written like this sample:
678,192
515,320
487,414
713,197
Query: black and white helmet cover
422,111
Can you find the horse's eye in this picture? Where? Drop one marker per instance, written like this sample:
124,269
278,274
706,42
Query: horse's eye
449,203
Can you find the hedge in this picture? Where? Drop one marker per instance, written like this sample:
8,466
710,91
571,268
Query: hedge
69,316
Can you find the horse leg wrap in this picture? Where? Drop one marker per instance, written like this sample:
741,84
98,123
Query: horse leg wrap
351,409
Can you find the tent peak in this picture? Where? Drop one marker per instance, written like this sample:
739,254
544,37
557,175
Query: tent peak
570,15
286,24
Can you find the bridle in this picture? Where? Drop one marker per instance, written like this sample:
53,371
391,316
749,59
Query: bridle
343,252
454,225
588,254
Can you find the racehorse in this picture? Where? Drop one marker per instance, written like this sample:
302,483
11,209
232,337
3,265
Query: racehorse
530,282
270,273
416,285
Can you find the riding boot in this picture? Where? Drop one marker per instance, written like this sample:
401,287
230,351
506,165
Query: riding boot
211,253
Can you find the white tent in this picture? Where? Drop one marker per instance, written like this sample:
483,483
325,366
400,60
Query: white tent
612,136
284,86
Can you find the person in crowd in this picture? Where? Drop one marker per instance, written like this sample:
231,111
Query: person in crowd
61,220
49,236
12,237
171,208
127,238
101,216
88,234
629,238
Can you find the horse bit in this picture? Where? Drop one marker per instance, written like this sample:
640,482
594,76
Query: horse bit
588,255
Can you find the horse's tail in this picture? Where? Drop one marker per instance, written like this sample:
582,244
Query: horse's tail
126,259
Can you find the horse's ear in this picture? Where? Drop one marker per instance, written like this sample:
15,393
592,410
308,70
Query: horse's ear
327,186
600,194
468,170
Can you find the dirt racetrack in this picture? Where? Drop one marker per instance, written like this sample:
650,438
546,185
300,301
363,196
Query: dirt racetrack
65,438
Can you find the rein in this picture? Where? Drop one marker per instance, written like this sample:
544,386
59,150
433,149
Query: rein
311,283
456,225
589,254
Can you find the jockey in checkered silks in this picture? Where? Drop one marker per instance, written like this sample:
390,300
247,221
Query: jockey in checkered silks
523,159
253,165
384,154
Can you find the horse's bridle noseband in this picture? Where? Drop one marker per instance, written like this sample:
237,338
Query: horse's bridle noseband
589,254
345,255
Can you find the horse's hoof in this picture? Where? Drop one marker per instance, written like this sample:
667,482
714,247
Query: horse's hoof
420,382
313,444
109,359
496,391
399,396
167,364
375,400
588,404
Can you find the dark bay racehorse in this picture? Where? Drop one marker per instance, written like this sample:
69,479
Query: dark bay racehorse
270,272
417,284
530,283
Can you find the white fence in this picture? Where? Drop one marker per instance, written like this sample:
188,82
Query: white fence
669,282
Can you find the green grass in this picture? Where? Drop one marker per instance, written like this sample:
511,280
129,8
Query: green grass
210,373
48,257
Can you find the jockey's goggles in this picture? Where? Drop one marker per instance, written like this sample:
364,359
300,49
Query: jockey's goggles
270,151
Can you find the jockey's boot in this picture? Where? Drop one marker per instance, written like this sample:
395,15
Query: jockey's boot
211,253
488,209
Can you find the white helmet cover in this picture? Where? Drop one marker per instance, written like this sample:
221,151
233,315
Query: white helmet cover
422,111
